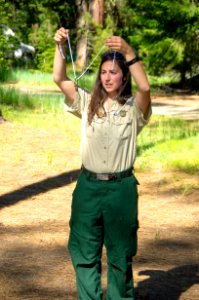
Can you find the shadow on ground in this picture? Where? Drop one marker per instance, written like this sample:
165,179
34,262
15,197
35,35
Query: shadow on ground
167,285
41,269
38,188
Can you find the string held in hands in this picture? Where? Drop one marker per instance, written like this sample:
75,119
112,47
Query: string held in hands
96,56
71,56
73,64
61,51
114,54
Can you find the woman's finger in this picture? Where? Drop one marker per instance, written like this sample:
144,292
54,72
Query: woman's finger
61,35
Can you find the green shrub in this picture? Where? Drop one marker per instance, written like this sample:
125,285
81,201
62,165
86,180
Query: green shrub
42,38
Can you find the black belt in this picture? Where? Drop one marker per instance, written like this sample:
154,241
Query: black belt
107,176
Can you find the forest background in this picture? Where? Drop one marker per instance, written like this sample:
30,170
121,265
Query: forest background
165,34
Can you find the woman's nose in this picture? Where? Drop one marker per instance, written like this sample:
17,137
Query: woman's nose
107,76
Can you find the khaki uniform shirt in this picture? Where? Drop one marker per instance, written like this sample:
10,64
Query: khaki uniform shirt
109,144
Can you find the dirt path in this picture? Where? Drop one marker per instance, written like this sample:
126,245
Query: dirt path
38,174
183,106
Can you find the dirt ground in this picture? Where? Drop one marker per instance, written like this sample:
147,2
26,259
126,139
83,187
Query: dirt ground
36,187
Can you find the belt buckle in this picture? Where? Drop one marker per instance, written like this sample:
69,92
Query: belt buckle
102,176
106,177
112,176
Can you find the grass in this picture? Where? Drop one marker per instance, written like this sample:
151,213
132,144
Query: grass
41,102
33,77
157,82
169,143
6,75
37,78
187,188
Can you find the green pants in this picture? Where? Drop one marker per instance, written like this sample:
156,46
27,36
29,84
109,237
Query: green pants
104,213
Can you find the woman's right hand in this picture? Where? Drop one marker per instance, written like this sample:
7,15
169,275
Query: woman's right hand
61,35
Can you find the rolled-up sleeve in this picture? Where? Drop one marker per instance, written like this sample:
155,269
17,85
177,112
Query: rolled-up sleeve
77,106
142,119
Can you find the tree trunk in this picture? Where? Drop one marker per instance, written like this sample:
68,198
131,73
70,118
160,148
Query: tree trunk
96,9
82,8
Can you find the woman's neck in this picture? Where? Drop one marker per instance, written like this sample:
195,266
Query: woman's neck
109,101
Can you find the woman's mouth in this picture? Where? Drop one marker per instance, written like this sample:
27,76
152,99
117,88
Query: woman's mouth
108,85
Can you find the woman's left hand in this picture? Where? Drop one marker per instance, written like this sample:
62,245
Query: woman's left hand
119,44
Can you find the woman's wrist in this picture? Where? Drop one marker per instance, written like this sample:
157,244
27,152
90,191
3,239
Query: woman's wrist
130,54
132,61
131,57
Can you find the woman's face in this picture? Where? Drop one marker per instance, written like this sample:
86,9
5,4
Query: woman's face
111,77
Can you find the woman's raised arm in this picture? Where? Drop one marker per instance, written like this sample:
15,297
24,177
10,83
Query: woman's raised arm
136,68
59,66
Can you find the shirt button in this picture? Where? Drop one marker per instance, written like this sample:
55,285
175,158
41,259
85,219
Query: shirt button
105,148
104,161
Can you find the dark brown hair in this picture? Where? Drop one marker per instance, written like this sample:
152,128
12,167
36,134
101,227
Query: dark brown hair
99,95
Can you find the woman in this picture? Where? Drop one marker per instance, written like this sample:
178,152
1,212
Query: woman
104,204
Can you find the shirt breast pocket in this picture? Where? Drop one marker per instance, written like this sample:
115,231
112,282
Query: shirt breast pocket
94,130
122,125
